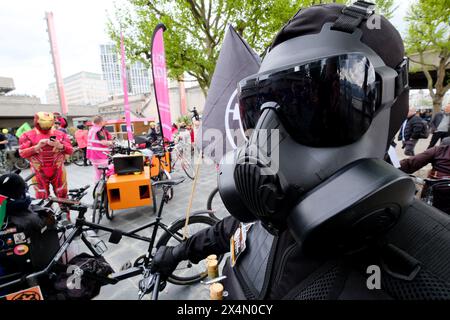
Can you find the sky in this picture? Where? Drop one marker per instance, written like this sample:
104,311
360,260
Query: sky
80,29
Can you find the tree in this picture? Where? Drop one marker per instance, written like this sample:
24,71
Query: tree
429,35
196,28
385,8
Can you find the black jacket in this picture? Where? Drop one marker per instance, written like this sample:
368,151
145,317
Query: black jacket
414,127
417,247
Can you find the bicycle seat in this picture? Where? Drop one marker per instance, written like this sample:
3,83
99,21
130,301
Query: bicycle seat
169,183
103,168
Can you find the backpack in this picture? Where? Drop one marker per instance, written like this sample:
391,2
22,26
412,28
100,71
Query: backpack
89,284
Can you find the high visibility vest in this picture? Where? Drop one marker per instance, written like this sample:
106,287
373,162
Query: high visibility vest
96,151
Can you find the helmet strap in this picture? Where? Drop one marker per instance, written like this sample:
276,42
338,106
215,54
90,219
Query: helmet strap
352,16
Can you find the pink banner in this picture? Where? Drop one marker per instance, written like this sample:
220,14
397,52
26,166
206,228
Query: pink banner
160,81
125,91
56,63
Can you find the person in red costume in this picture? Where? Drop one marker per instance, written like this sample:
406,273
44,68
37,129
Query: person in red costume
46,148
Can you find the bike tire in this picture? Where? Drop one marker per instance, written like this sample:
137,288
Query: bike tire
97,205
96,214
188,169
177,228
109,213
78,158
211,207
21,164
211,198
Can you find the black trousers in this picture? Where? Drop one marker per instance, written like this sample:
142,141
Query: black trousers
436,136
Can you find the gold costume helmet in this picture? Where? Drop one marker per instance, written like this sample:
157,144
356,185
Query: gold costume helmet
44,121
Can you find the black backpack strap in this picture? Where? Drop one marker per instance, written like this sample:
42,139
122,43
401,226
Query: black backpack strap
352,16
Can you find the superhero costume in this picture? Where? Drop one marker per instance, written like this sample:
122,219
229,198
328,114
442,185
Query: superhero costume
47,163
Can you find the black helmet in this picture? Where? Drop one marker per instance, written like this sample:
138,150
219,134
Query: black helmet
331,91
12,186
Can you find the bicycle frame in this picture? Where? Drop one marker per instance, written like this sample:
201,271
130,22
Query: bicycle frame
81,225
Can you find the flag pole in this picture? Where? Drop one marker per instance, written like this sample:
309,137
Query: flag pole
125,93
160,82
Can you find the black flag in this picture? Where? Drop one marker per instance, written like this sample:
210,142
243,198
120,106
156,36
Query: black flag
237,60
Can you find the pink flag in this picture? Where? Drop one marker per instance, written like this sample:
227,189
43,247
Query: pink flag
125,91
160,81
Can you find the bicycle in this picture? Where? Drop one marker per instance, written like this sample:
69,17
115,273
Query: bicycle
141,265
179,150
215,205
100,206
162,163
100,194
77,157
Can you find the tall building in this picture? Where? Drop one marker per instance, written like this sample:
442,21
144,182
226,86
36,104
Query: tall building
83,88
137,74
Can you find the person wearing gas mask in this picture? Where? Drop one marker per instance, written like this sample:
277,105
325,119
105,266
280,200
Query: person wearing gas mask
46,149
315,210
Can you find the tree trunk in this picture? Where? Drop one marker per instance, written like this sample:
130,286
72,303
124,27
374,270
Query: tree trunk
437,103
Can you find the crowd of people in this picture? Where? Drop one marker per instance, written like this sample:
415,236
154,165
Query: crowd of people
416,127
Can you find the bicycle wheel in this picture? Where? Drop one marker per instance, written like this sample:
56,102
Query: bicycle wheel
105,205
21,164
186,272
216,205
97,194
188,168
78,158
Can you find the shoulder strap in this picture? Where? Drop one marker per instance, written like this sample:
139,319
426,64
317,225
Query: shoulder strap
352,16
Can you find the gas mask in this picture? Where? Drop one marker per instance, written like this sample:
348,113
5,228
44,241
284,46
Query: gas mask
319,109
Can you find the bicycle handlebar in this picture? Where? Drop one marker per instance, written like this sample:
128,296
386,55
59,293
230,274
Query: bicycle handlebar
429,181
79,190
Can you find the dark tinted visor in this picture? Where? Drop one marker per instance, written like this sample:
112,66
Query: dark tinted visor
325,103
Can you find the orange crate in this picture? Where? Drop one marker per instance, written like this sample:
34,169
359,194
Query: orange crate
129,191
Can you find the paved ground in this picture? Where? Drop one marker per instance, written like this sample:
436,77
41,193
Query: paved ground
129,249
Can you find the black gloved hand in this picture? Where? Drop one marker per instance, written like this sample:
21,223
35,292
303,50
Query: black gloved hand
166,260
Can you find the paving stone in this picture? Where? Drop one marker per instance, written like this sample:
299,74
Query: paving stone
130,249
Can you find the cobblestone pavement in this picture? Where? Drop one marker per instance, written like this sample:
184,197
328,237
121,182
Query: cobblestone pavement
129,249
